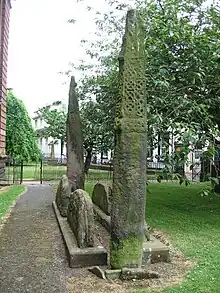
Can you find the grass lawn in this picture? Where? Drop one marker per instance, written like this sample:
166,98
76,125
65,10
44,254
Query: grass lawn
32,172
193,224
7,198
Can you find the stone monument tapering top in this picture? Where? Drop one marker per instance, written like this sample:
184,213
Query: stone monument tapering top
131,101
75,160
129,177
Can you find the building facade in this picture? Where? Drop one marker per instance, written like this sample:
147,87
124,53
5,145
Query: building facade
49,147
5,6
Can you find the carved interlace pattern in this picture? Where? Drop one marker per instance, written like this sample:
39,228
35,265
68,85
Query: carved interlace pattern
132,86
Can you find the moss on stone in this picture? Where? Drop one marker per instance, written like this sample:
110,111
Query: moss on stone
127,254
129,180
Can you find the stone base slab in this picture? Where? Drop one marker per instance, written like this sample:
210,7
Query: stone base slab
112,274
154,251
86,257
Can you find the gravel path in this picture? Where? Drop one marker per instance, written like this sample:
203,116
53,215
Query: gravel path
32,254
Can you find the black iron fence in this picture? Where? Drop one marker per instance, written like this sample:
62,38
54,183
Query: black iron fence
10,173
18,171
48,170
44,170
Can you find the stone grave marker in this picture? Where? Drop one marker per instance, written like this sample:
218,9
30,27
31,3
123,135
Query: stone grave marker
101,196
81,219
63,195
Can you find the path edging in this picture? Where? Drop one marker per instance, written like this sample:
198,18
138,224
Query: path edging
79,257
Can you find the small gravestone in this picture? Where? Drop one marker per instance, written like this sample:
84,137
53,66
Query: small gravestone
63,195
101,196
81,219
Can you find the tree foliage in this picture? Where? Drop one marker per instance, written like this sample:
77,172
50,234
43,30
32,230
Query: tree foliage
182,69
54,117
98,109
21,141
95,137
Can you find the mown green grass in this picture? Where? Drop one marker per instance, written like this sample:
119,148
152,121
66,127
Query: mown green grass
193,224
192,221
7,197
50,172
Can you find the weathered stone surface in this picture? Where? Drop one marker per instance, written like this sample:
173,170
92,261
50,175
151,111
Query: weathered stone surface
98,272
63,195
155,251
101,197
112,274
129,177
80,218
78,258
102,218
128,274
75,159
146,232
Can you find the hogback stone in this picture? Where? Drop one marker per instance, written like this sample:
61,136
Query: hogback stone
63,195
80,218
129,176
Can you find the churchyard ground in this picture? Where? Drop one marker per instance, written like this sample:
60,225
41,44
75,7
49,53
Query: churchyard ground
191,223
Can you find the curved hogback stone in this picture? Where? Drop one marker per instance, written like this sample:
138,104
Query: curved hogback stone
63,195
101,197
80,218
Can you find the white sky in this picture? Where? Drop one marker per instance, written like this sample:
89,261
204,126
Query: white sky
42,43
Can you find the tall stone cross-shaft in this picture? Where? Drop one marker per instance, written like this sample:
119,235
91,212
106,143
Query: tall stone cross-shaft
75,161
129,179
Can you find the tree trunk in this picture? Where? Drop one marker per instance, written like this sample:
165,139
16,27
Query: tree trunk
61,150
88,160
52,153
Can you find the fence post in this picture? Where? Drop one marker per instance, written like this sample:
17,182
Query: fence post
41,171
22,171
13,166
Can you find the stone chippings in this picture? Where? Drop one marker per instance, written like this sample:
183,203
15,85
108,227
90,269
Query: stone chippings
63,195
101,196
81,219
